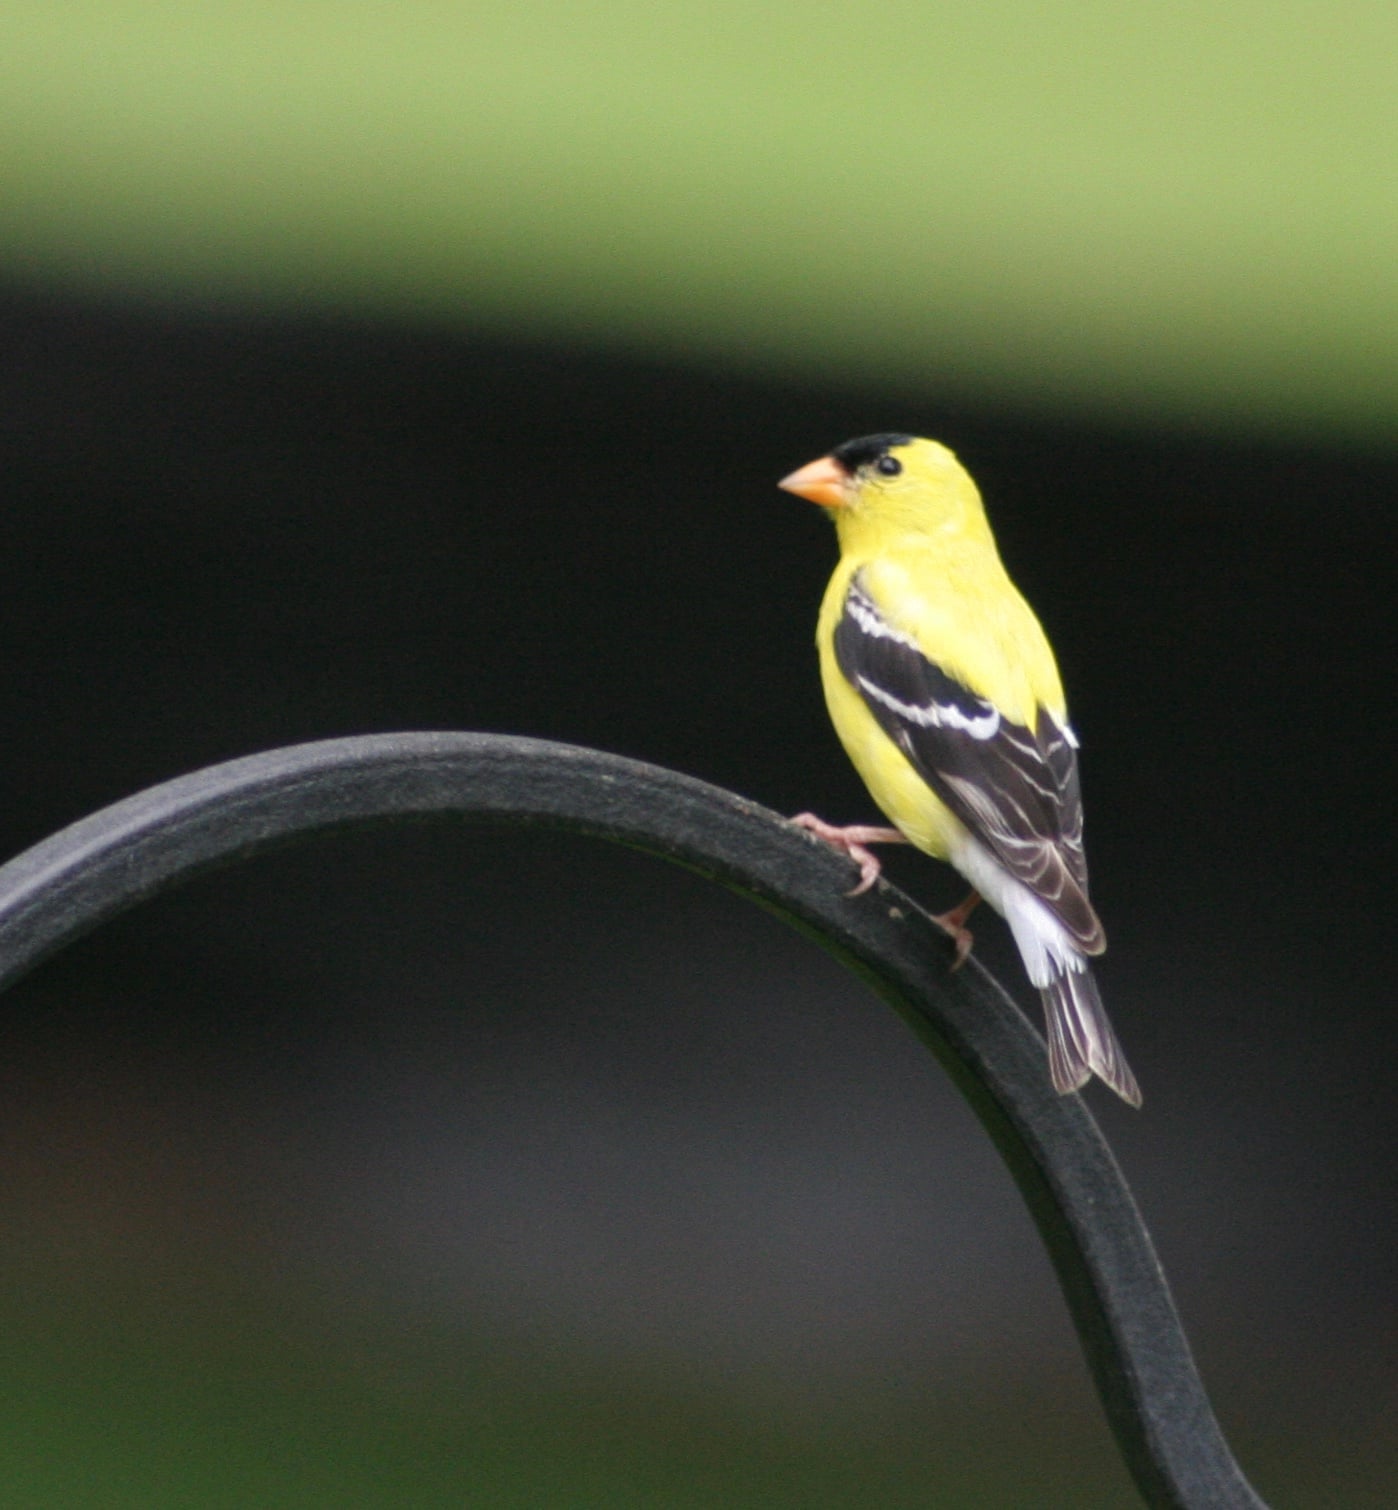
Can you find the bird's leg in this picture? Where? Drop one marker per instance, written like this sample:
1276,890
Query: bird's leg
851,840
954,923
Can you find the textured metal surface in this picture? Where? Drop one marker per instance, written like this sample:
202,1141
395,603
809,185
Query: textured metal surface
1116,1292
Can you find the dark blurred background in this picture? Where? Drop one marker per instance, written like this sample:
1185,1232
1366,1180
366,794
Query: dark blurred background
444,1167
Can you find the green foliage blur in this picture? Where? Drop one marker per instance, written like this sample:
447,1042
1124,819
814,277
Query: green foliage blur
1181,215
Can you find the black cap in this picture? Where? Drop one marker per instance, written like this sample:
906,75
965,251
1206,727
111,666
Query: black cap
854,454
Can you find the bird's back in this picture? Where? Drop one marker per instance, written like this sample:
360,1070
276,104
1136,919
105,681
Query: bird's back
956,601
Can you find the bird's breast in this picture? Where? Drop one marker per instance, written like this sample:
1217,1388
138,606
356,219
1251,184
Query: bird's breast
894,784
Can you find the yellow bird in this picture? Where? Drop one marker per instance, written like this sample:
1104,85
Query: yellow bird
945,694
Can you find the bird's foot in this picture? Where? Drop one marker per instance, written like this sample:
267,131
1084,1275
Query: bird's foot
853,840
954,924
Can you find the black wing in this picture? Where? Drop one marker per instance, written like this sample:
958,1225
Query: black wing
1015,788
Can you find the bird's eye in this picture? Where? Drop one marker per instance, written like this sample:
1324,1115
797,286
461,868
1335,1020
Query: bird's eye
889,466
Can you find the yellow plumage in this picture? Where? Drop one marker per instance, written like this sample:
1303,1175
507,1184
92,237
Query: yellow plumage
944,692
923,543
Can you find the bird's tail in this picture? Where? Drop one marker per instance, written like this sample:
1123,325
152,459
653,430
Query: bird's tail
1081,1042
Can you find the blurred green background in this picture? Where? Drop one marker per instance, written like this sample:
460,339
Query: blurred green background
1184,211
374,365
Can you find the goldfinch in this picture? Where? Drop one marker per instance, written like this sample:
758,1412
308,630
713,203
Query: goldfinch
945,694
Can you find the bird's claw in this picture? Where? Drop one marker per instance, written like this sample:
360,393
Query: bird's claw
953,924
870,868
853,840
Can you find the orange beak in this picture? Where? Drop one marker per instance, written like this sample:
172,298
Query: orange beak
824,482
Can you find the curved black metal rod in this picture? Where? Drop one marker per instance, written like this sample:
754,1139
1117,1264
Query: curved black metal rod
1114,1286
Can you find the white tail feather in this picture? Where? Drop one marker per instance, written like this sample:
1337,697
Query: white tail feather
1081,1042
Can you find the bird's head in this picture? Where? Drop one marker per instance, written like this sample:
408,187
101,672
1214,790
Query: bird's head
882,485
